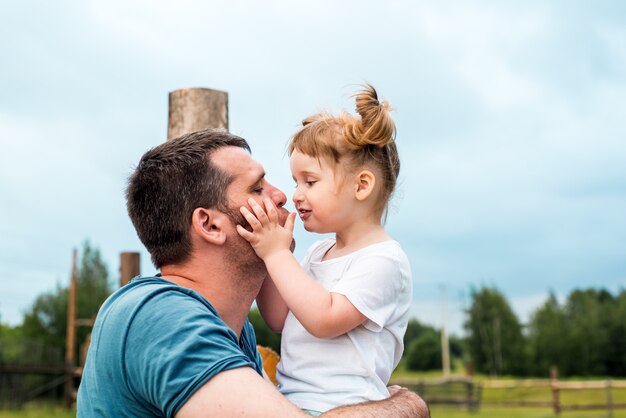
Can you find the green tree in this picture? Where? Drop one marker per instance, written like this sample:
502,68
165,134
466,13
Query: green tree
616,353
10,349
414,329
424,351
586,336
495,340
46,319
457,347
589,318
422,347
548,339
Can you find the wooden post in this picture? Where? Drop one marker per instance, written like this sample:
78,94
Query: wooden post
421,388
196,108
554,383
469,369
469,374
609,398
71,335
445,345
129,267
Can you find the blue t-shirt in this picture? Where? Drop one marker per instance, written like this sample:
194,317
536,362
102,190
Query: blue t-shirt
152,346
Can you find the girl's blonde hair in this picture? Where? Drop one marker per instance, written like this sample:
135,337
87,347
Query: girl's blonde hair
355,141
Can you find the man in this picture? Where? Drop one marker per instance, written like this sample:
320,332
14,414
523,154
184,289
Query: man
180,344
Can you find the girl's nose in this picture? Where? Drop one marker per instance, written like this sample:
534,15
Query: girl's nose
297,196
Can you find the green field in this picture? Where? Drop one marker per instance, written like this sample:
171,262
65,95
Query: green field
542,394
38,411
436,412
445,412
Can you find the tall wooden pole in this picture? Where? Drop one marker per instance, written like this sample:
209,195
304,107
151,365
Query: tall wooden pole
609,398
129,267
70,335
196,108
445,345
554,384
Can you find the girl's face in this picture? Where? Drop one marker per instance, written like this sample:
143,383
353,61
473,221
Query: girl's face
324,201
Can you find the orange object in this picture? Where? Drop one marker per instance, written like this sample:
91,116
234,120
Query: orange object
270,360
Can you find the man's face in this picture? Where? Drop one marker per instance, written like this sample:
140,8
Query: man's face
248,181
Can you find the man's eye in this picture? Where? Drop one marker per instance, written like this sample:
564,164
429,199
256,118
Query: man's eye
258,190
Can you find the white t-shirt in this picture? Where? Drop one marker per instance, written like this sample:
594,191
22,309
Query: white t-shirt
321,374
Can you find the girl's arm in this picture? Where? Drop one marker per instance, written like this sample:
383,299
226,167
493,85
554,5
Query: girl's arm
322,313
271,305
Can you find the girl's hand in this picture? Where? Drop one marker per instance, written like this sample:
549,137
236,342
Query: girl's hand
267,237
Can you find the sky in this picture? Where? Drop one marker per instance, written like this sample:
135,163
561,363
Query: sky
510,125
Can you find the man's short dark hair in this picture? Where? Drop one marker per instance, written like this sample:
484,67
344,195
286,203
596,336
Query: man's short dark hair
169,183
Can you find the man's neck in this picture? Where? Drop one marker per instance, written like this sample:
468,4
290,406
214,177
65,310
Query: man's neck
217,284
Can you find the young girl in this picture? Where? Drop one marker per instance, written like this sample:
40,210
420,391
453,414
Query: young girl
343,313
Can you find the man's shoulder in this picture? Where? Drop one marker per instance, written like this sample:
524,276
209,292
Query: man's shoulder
152,301
142,290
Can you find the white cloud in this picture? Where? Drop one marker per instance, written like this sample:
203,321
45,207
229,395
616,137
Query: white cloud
484,44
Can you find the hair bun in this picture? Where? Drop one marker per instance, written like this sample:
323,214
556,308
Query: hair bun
375,127
308,120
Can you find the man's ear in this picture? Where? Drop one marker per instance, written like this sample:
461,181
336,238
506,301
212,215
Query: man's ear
365,182
208,224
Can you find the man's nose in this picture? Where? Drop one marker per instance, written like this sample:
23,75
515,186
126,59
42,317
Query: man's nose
277,196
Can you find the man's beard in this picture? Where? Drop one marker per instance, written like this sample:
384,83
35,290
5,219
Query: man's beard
241,254
238,219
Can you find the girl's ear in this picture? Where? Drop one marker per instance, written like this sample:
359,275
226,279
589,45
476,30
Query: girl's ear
208,224
365,182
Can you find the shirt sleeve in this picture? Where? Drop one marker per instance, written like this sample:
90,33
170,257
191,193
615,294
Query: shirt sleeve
174,345
378,285
313,250
248,341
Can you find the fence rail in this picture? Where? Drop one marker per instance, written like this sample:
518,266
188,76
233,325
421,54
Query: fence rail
32,369
590,384
466,391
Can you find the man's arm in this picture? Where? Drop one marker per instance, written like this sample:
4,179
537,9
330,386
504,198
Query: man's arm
402,404
238,392
242,392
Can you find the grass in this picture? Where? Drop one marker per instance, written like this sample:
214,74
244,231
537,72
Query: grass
38,410
500,412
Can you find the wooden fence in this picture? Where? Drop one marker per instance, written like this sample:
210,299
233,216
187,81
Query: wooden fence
555,388
20,383
457,391
560,396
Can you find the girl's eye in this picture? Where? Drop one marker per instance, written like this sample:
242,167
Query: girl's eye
311,182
